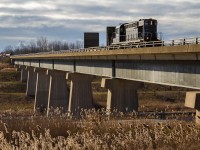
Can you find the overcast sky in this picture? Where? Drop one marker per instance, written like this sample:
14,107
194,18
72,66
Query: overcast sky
26,20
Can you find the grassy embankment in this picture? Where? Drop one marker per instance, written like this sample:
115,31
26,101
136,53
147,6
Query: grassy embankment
12,91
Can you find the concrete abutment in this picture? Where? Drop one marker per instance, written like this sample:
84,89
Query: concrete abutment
122,94
192,100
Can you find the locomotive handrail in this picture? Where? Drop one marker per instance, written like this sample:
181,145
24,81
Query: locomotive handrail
183,41
126,45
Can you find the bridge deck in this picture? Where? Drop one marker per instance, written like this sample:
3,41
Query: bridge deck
111,54
168,65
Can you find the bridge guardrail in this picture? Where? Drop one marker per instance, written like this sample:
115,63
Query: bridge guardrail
137,44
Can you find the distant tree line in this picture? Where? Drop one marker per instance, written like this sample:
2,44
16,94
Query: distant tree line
42,45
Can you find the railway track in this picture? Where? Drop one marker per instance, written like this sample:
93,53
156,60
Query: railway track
126,45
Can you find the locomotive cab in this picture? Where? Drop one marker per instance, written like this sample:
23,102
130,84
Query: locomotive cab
147,29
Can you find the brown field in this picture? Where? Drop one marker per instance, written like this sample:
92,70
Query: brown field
94,130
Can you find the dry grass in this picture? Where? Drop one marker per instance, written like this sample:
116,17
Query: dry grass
14,102
100,98
96,131
5,65
10,76
12,87
8,69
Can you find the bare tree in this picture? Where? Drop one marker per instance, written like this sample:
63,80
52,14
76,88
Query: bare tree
43,45
9,50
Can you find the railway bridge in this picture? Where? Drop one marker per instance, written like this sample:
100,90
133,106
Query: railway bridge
123,68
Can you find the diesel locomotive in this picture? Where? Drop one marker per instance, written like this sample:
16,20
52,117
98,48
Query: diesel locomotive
144,30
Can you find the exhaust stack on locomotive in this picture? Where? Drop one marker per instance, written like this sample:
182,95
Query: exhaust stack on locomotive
144,30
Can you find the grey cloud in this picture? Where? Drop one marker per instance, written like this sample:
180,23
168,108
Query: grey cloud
175,19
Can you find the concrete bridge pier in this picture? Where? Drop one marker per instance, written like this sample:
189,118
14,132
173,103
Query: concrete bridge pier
122,94
80,92
24,73
31,81
58,95
42,90
192,100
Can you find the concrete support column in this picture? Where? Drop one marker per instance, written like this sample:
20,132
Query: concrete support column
192,100
31,81
24,73
58,90
42,91
80,92
122,94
